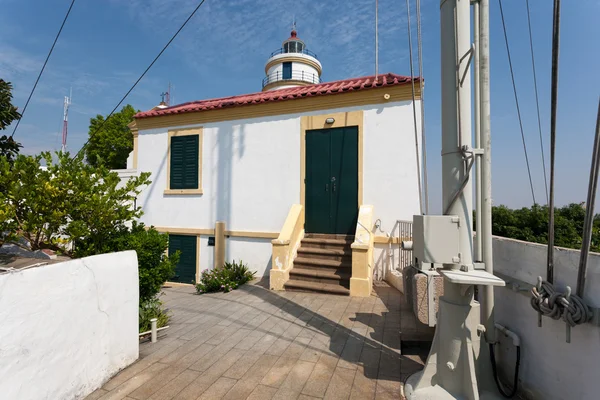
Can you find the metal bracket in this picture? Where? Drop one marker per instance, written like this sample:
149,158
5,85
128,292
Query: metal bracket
469,53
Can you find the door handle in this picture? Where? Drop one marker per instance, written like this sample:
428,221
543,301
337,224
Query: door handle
327,187
333,189
333,183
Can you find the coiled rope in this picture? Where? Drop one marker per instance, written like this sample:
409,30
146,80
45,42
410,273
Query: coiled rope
547,301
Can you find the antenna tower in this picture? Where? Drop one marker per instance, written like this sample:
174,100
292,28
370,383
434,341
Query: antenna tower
67,103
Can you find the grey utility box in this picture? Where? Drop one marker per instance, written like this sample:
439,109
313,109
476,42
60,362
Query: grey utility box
436,239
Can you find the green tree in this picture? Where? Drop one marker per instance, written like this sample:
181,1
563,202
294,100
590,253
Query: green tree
8,113
531,224
110,145
66,200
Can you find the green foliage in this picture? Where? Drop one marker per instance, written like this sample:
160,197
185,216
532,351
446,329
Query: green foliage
8,113
531,225
225,279
152,308
111,145
66,198
155,267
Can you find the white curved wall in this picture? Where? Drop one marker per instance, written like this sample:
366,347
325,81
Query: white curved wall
67,327
311,73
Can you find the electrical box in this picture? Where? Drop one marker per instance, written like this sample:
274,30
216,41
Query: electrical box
211,240
436,239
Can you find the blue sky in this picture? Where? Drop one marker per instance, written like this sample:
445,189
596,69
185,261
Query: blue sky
106,44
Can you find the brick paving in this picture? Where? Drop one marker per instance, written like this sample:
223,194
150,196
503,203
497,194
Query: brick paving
254,343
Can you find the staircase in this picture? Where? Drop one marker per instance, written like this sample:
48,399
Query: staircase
323,265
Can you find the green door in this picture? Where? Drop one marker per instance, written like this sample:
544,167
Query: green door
331,180
185,271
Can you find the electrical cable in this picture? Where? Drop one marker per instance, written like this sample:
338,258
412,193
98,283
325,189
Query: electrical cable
423,146
141,76
517,102
495,371
43,67
412,81
537,101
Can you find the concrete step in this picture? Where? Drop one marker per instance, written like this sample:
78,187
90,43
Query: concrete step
303,262
343,244
329,236
326,254
316,287
339,276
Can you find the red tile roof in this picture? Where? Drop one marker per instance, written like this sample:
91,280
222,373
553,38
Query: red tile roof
320,89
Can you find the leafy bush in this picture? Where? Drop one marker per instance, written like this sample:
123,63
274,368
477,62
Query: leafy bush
155,267
531,225
68,198
225,279
152,308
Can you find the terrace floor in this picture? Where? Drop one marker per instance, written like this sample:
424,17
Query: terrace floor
254,343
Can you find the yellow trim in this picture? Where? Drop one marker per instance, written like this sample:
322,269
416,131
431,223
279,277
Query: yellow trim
185,132
388,240
219,258
351,118
211,232
361,282
197,258
183,191
134,131
285,82
252,234
296,59
302,105
285,246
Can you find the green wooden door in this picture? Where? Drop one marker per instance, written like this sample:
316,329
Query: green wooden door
331,180
185,271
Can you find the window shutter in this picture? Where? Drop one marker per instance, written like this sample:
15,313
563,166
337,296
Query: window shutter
184,162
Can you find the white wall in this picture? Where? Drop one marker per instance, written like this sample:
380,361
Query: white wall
311,73
551,369
251,175
67,327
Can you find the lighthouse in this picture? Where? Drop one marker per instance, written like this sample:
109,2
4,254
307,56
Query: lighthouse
292,65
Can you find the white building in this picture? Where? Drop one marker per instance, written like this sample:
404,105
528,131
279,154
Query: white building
298,160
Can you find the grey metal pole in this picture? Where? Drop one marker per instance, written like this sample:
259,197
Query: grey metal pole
456,116
487,300
476,104
376,40
553,104
589,210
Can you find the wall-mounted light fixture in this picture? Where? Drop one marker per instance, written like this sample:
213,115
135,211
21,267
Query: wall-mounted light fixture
330,120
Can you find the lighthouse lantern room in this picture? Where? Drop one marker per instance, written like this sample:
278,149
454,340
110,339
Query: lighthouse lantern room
291,65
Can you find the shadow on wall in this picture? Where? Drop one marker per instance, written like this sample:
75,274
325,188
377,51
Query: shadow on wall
155,179
222,172
373,342
255,255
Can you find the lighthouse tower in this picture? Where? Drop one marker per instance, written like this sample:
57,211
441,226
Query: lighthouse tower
292,65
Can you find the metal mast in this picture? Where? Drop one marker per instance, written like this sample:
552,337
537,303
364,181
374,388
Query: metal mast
66,105
458,365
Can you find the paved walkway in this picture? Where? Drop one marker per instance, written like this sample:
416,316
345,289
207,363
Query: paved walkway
254,343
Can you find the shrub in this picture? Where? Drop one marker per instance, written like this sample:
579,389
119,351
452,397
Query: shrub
152,308
155,267
225,279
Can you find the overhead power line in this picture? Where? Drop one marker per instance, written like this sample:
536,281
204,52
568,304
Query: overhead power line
43,67
537,101
512,75
141,76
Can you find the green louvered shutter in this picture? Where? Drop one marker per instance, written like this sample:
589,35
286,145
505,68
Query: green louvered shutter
184,162
185,271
